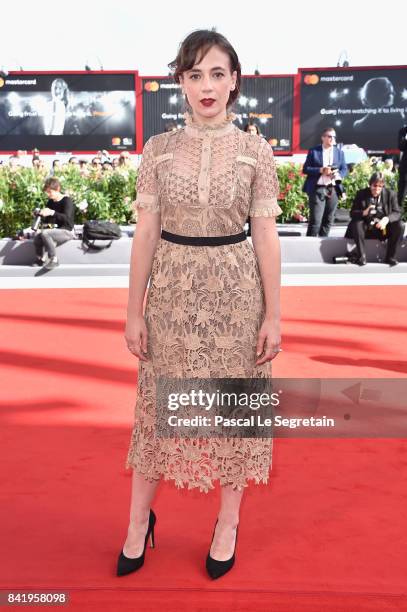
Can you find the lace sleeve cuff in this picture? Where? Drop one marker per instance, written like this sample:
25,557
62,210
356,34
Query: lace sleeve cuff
265,208
147,202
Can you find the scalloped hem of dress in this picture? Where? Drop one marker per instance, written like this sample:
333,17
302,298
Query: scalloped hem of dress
203,488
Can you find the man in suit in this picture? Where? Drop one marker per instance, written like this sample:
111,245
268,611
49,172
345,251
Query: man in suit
402,186
375,213
325,168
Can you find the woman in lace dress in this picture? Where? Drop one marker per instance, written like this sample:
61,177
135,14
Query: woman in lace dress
212,310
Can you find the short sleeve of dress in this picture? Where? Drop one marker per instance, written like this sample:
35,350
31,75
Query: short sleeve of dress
147,192
265,187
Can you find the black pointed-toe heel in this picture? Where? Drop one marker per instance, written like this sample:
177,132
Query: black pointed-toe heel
215,568
126,565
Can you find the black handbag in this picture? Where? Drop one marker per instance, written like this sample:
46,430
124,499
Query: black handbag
100,230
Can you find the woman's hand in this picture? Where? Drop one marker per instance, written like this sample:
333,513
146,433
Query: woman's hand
268,341
136,336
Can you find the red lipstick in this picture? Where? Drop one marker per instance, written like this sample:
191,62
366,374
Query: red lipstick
207,101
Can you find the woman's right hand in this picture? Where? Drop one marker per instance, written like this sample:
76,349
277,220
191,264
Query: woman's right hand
136,337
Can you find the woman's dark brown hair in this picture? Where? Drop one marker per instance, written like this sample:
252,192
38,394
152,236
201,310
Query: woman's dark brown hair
200,41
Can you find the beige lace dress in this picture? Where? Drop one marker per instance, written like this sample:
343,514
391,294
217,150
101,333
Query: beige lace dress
205,304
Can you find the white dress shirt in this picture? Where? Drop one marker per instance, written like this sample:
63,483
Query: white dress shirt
327,160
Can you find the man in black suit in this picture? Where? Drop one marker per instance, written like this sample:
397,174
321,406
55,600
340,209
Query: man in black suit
402,186
375,214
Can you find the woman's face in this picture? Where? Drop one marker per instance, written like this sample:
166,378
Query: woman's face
208,84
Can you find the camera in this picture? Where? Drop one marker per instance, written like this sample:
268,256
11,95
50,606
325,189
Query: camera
376,212
37,219
337,177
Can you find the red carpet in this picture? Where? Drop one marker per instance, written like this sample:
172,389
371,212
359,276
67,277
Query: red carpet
327,534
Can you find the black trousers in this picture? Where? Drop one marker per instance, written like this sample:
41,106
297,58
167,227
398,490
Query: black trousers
402,188
322,206
360,230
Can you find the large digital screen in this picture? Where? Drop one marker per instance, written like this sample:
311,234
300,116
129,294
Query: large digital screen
55,112
367,107
266,101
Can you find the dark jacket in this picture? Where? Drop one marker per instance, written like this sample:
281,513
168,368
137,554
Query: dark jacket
363,200
403,149
314,163
64,213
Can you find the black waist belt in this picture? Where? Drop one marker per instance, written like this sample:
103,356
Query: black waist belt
203,240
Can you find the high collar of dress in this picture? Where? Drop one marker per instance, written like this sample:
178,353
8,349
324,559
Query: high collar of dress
203,130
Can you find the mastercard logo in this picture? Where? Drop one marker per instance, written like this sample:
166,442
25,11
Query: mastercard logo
1,82
273,142
115,141
152,86
311,79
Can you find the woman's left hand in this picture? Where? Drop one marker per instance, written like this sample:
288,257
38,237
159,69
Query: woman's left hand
268,341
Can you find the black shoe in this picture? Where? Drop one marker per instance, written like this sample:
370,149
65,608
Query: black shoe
38,263
126,565
361,261
215,568
392,261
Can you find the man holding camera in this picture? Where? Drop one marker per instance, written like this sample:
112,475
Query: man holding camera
59,212
325,168
402,186
375,213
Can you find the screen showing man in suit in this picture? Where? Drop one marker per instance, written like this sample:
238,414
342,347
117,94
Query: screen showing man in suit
367,105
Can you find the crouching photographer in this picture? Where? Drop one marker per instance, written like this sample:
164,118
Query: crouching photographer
376,214
58,215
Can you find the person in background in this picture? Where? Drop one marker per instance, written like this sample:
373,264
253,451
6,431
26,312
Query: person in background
107,167
36,162
83,167
96,166
171,127
115,163
103,156
124,159
56,166
389,164
252,128
402,186
375,214
325,167
60,212
73,161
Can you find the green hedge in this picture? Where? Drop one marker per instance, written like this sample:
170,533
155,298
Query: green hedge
110,196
